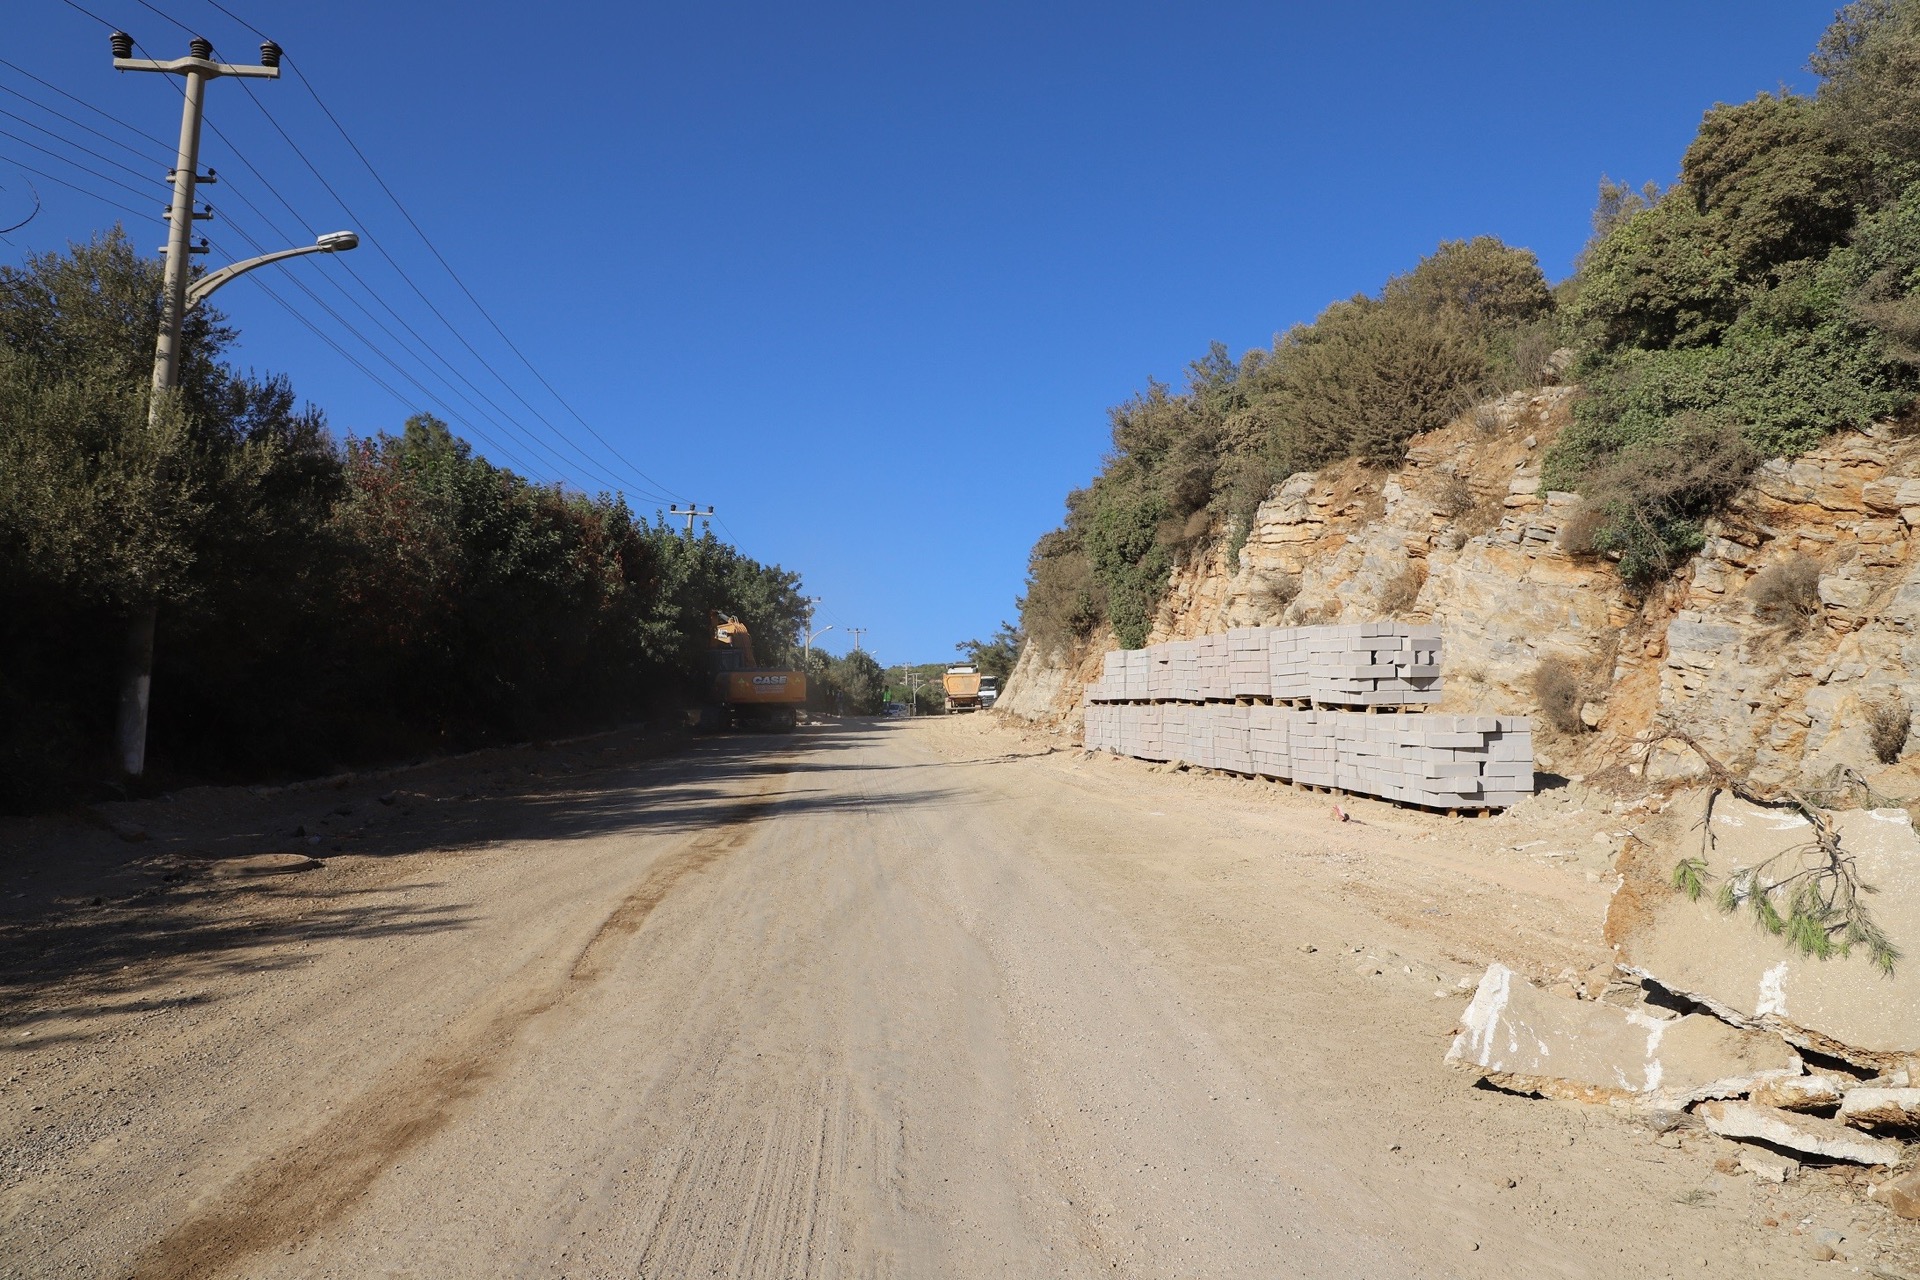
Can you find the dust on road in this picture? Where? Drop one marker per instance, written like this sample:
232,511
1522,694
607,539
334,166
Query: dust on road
877,999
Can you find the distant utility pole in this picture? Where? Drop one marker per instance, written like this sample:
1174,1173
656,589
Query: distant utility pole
857,632
690,512
806,663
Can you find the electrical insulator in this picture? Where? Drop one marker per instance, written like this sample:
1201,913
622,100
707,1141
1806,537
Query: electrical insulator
269,54
122,44
200,47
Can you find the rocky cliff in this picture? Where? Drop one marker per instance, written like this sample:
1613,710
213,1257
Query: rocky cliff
1785,684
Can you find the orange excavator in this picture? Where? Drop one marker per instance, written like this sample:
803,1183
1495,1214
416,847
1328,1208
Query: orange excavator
744,695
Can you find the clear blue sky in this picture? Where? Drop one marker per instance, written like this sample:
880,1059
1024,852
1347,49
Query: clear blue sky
866,277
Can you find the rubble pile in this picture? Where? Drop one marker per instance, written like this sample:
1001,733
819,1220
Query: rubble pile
1276,702
1711,1013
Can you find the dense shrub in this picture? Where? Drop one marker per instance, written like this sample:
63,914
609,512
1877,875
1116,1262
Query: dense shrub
1767,298
1367,375
317,604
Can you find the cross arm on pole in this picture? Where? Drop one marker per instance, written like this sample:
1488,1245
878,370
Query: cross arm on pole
205,66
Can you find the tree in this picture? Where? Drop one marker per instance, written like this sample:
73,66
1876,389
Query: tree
995,657
104,498
1869,64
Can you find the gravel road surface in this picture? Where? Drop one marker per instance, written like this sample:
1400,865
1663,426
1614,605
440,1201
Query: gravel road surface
876,999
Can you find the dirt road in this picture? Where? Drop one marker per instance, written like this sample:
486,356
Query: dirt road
880,999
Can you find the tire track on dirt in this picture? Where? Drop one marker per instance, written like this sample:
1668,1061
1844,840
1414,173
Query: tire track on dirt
293,1194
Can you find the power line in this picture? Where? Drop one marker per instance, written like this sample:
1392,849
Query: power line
299,283
160,142
125,168
439,257
42,173
169,17
25,142
657,489
651,486
90,13
587,463
59,115
651,489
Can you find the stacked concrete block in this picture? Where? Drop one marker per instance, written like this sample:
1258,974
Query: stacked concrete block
1442,761
1229,738
1372,664
1216,683
1160,673
1176,702
1267,742
1313,748
1360,665
1248,664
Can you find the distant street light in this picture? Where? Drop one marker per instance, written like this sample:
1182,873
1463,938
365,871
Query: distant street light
807,662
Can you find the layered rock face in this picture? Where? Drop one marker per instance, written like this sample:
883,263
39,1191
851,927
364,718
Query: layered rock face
1463,535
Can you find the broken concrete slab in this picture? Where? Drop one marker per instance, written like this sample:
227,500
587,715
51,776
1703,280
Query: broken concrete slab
1767,1166
1878,1107
1520,1037
1801,1093
1844,1007
264,864
1790,1129
1902,1194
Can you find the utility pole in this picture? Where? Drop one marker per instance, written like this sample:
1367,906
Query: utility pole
690,512
857,633
806,662
197,67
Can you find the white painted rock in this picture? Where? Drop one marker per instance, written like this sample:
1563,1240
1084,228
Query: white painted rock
1844,1006
1520,1037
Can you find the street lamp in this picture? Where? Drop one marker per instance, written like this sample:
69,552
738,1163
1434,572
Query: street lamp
331,242
181,293
807,662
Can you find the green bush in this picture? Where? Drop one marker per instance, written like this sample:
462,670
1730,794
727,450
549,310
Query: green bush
1368,374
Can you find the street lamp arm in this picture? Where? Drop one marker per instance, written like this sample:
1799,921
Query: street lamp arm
333,242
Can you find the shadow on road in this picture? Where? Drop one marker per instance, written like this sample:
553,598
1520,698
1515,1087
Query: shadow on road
91,923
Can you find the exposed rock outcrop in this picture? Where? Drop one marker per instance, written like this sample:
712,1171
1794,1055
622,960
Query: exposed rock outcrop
1464,535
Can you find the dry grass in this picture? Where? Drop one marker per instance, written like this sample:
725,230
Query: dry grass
1558,691
1452,496
1275,589
1888,724
1402,591
1787,595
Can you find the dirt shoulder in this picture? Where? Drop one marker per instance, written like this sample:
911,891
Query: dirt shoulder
1366,935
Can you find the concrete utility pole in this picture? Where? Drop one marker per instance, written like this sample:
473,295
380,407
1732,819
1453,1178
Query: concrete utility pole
690,512
198,67
857,632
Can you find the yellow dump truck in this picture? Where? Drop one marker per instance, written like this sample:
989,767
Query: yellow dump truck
744,695
963,689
